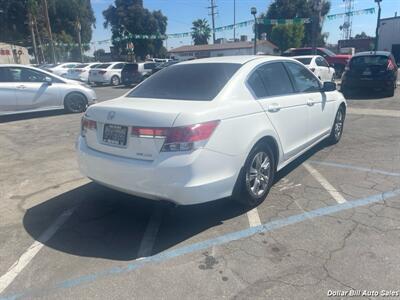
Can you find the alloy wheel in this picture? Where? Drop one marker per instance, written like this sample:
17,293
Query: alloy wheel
258,174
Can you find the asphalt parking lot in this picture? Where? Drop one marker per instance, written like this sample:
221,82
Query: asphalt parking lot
330,223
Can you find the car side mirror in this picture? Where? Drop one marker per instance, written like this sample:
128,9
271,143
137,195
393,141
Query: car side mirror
48,80
329,86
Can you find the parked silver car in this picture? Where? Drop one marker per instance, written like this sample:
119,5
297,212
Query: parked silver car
24,89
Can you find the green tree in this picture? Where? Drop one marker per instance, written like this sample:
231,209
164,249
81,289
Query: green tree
287,36
98,54
201,32
128,17
290,9
362,35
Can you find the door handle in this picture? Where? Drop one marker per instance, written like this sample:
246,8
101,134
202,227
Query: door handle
310,102
274,107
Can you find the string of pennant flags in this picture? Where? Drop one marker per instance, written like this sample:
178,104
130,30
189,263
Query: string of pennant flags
352,13
130,37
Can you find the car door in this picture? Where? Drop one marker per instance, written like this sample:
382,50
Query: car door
320,105
117,69
8,98
286,110
32,91
325,69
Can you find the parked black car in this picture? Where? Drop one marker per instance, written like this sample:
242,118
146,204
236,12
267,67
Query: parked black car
164,65
370,70
130,74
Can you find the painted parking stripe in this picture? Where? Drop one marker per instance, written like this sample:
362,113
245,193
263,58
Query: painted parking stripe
351,167
327,186
220,240
254,217
150,234
34,249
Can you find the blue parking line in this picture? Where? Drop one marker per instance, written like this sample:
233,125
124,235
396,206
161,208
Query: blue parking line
351,167
167,255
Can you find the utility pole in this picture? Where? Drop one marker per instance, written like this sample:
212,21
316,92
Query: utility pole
212,14
253,11
377,24
30,20
47,19
78,29
234,20
317,6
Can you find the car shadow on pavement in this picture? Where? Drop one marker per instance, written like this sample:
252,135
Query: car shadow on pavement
31,115
111,225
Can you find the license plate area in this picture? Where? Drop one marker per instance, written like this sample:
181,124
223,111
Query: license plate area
115,135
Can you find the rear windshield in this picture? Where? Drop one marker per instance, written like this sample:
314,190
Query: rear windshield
81,66
304,60
200,82
130,67
369,60
103,66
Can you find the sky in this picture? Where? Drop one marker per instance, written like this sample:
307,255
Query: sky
181,14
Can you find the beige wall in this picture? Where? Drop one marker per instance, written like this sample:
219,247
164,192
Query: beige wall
9,54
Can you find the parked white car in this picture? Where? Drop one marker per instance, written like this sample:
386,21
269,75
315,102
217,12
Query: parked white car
26,89
107,73
318,65
209,128
62,69
81,72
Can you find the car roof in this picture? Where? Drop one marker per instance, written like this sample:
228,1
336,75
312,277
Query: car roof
239,59
306,56
372,53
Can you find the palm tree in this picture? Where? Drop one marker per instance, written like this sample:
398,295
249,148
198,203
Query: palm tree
201,32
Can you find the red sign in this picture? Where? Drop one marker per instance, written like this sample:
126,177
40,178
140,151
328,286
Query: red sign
4,52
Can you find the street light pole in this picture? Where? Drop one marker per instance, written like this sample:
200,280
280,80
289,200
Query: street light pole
254,12
234,20
79,28
377,24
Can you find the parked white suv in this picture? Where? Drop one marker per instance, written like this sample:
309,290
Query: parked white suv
209,128
318,65
107,73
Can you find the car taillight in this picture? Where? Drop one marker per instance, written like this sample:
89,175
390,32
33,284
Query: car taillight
102,72
185,138
178,138
390,65
86,125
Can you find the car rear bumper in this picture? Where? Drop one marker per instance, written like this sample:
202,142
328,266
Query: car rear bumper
182,178
368,83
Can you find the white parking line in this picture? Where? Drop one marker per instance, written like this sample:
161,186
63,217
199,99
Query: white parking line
150,234
30,253
254,217
322,181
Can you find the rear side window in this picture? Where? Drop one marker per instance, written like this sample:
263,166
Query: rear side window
276,79
304,60
304,80
118,66
4,75
257,85
195,81
103,66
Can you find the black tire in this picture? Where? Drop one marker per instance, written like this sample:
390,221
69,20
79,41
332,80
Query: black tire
243,191
390,91
337,128
115,81
75,103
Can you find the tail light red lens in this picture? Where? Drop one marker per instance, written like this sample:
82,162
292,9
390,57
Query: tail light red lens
178,138
390,65
87,124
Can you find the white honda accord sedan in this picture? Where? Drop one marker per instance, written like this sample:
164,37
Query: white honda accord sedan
210,128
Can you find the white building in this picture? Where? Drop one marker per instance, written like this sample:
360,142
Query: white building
389,36
224,49
12,54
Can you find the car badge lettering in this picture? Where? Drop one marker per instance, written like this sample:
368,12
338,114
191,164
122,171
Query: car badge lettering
111,115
